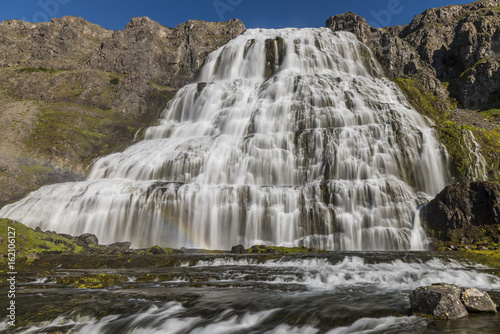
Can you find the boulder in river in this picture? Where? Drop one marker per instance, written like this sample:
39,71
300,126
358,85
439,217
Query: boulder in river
476,300
449,301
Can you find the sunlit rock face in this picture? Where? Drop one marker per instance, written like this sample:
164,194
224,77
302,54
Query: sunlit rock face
289,137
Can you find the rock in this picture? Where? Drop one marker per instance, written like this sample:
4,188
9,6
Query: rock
38,229
441,301
457,44
476,300
33,256
467,211
89,239
121,245
156,250
239,249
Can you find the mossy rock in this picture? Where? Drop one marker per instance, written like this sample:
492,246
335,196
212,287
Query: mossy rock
29,241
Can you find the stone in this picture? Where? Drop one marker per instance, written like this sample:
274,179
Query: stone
33,256
477,301
89,239
121,245
467,211
156,250
238,249
440,300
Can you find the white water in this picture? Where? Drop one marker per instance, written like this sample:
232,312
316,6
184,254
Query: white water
353,271
325,153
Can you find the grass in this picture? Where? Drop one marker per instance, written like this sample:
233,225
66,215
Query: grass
29,241
66,129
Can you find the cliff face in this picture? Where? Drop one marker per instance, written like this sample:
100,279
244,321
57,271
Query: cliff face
71,91
446,57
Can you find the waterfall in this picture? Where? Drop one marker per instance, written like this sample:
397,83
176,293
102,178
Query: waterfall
321,150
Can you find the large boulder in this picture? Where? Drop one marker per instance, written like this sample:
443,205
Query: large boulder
465,212
238,249
440,300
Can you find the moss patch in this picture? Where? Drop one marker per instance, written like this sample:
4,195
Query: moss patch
69,130
451,134
29,241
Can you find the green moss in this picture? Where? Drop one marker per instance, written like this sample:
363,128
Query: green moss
92,281
29,241
114,81
490,258
69,130
450,133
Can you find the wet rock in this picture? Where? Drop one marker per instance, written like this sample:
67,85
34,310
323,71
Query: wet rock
121,245
156,250
238,249
88,239
273,251
38,229
477,301
33,256
441,301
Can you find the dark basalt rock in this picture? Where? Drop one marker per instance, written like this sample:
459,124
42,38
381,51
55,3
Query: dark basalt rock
239,249
156,250
465,212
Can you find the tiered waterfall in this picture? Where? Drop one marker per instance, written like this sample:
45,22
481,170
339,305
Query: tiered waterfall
289,137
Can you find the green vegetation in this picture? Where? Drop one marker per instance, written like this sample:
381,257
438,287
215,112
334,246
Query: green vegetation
71,130
450,133
490,258
29,241
114,81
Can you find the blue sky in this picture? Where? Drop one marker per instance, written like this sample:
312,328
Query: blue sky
114,15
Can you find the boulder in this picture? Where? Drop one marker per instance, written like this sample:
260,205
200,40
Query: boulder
238,249
441,301
465,212
89,239
33,256
156,250
121,245
476,300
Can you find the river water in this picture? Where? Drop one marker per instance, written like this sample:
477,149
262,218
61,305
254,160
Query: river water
333,292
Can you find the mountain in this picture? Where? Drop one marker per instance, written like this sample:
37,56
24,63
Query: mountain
71,91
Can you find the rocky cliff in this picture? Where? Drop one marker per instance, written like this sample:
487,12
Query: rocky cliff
71,91
465,213
446,57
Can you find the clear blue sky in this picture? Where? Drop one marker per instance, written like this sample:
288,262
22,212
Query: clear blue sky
114,14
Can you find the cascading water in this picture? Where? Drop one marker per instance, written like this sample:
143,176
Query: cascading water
319,150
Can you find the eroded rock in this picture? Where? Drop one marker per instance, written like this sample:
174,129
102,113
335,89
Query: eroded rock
477,301
441,301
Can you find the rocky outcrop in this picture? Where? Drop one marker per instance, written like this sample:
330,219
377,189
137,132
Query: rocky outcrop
93,90
466,213
117,70
455,45
449,301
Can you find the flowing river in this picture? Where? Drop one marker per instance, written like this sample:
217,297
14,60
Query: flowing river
333,292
